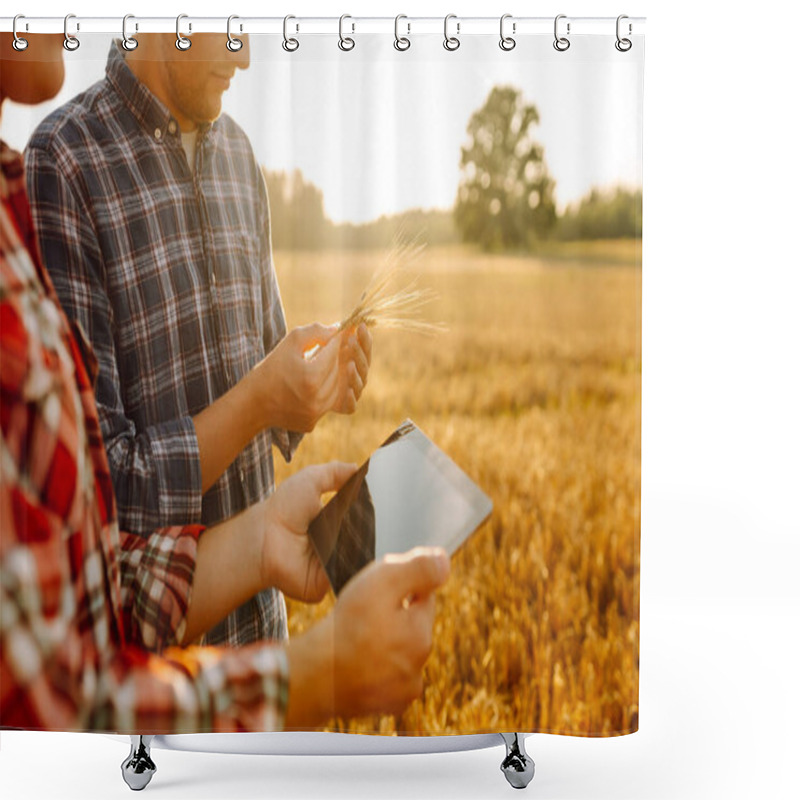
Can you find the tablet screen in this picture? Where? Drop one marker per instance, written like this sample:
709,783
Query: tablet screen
407,494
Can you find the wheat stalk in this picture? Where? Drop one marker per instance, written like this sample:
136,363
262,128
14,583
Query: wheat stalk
380,305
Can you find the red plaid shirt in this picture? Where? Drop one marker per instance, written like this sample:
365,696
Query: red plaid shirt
79,599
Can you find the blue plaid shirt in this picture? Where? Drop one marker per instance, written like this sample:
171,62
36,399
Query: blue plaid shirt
169,271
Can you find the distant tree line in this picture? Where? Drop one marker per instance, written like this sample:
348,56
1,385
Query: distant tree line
612,214
297,211
298,220
505,199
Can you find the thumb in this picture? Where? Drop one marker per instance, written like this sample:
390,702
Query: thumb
418,572
315,334
314,340
332,476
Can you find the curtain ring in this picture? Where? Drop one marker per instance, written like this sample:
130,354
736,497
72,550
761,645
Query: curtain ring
289,44
18,43
234,45
451,42
71,43
507,42
182,43
128,43
561,43
623,45
401,43
346,43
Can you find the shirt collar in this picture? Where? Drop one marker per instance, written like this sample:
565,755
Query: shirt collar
151,113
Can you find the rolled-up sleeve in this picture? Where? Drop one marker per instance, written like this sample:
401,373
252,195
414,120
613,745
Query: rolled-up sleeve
156,576
155,469
196,690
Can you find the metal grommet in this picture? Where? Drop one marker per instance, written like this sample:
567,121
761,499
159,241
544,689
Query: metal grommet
289,44
181,42
346,43
233,44
401,43
623,45
451,42
561,43
71,43
506,42
128,42
18,44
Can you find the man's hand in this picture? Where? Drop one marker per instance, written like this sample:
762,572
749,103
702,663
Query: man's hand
355,356
367,655
313,370
288,560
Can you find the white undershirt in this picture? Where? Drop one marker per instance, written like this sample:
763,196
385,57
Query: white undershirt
189,142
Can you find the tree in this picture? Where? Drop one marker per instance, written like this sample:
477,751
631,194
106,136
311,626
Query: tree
505,197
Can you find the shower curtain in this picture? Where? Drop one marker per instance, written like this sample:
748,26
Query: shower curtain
497,178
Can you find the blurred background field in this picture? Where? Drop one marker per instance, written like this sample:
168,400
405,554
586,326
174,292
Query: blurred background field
535,391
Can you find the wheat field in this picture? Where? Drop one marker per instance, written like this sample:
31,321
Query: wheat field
535,391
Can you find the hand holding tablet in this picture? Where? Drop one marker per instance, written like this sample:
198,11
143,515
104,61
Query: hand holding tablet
409,493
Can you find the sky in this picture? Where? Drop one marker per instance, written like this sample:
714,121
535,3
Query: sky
380,131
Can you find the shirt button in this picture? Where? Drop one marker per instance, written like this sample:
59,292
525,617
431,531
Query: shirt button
172,127
157,133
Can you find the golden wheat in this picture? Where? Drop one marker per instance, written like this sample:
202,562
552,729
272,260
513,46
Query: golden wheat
384,305
535,391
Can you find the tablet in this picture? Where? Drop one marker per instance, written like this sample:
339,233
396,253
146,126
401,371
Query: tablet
407,494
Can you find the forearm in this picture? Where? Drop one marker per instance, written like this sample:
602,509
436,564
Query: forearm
228,571
311,677
227,426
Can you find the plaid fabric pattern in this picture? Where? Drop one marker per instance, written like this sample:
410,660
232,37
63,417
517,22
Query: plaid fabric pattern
170,272
79,598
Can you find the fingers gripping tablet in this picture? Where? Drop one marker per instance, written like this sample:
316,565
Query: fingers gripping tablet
409,493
